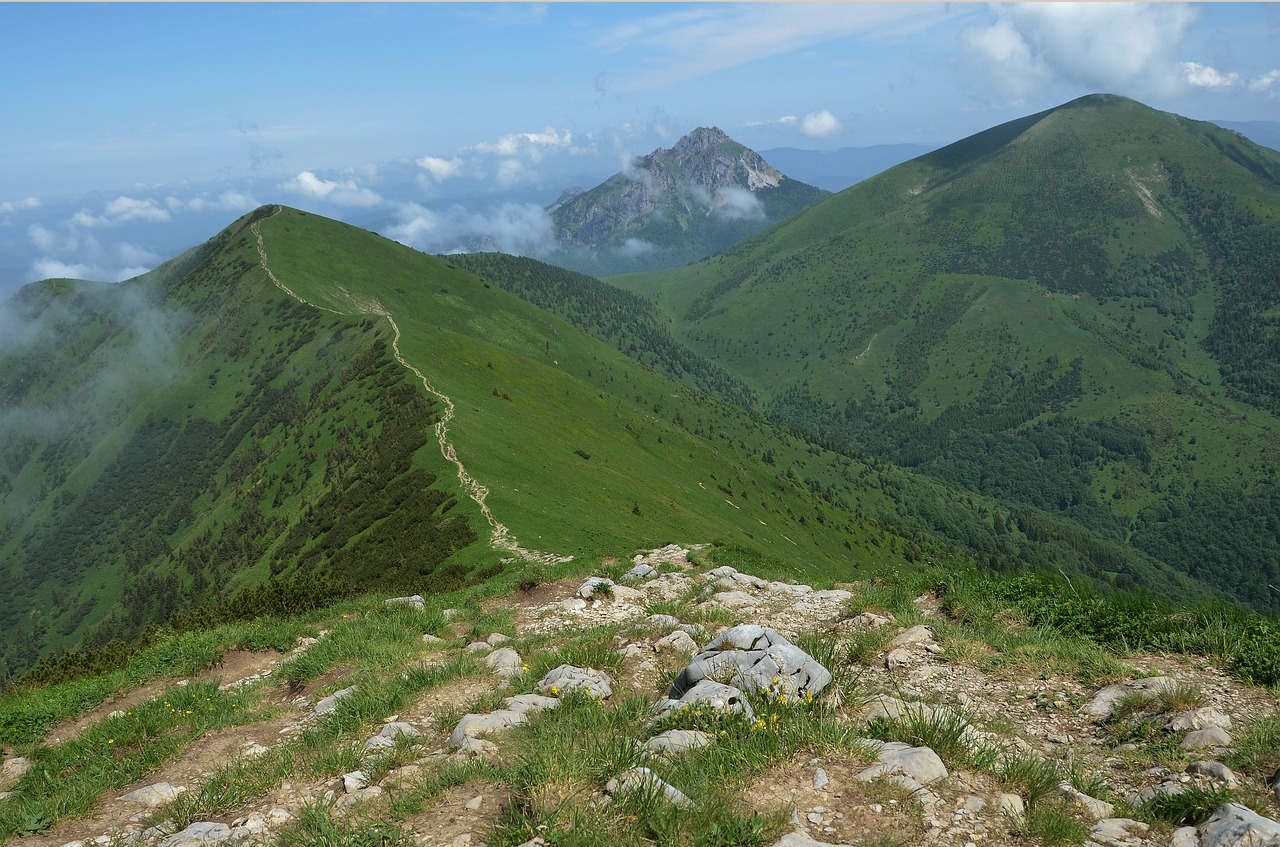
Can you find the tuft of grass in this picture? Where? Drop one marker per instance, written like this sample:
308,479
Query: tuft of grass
1187,808
1054,825
1034,776
315,826
1180,697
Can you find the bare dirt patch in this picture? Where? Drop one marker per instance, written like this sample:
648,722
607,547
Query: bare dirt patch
450,817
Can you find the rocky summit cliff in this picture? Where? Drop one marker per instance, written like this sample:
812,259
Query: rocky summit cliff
661,701
701,195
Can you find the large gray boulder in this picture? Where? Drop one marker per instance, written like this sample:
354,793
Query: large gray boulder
1233,825
199,833
754,658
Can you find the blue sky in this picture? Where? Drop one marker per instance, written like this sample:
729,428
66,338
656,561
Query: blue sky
134,130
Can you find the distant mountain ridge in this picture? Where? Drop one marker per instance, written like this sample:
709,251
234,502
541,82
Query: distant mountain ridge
674,205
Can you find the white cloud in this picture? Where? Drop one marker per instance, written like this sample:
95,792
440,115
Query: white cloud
535,146
821,124
123,210
440,169
1203,76
1264,82
733,203
635,247
1116,47
237,201
519,228
47,268
782,121
690,43
344,193
8,207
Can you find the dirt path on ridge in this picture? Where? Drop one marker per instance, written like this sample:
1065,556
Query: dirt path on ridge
500,538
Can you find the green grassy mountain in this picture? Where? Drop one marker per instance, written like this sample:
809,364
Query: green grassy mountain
302,401
675,205
1075,312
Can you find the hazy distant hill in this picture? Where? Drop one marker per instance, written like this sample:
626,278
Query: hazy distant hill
1076,311
672,206
836,170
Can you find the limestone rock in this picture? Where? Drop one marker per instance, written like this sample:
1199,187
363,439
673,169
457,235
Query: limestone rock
640,573
1185,836
1209,737
330,704
679,642
1118,832
346,801
916,635
1012,807
518,710
354,781
1216,771
567,678
1199,719
504,662
200,832
677,741
1097,809
643,779
415,601
1103,703
714,695
795,839
755,659
898,758
898,657
155,795
395,729
596,586
479,647
1233,825
13,769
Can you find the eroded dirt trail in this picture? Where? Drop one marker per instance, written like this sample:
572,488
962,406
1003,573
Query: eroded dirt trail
500,537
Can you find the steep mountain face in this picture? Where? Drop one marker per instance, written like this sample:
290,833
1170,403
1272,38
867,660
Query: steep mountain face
674,205
1075,312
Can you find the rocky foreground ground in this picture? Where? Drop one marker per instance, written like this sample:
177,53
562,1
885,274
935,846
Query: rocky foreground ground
923,733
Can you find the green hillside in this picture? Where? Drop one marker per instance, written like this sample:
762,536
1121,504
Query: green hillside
1075,312
179,438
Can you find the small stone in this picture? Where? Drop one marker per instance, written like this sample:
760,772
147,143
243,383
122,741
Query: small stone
573,604
677,741
474,803
1011,806
415,601
820,779
643,779
354,781
1199,719
1186,836
155,795
433,640
1215,771
395,729
330,704
1210,736
897,657
678,642
504,662
1097,809
596,586
566,678
449,614
198,833
479,647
